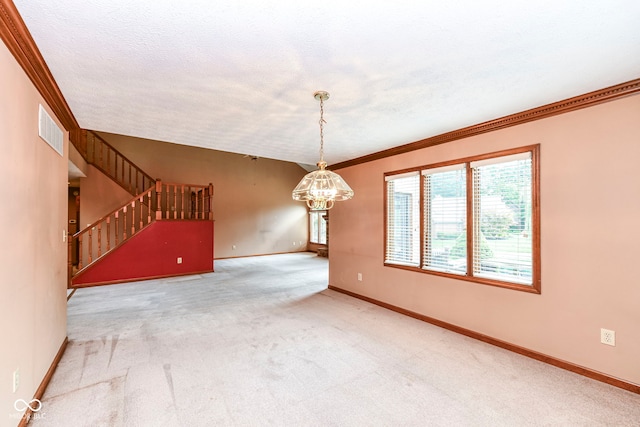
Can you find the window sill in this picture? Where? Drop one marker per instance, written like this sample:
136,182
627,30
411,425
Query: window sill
481,280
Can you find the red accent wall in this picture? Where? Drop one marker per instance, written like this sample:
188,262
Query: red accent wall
154,252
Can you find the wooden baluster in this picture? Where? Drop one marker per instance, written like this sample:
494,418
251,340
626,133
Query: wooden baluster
116,230
109,160
168,202
80,252
124,223
149,207
90,247
158,197
210,202
201,197
101,155
115,172
141,205
93,148
196,210
137,188
182,207
99,240
175,201
108,233
133,218
129,182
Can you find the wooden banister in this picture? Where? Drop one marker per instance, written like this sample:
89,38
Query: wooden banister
99,238
184,201
99,153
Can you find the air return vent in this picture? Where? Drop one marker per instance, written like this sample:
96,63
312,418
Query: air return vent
49,131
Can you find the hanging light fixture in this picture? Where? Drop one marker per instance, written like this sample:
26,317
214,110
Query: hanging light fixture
321,188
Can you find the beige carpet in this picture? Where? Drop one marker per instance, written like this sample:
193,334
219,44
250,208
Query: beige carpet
262,342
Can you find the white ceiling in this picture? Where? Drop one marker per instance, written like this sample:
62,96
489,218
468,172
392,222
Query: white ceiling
239,76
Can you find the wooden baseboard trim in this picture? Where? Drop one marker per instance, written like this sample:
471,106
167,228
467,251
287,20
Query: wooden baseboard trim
595,375
45,382
135,279
256,255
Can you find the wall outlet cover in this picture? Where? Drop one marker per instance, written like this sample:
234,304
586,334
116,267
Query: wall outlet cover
608,337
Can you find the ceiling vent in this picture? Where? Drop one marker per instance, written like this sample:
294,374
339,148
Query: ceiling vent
49,131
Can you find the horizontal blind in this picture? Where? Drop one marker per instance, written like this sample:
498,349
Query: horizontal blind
445,213
502,206
403,219
322,232
318,227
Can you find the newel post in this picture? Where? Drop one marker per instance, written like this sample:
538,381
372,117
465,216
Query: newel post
69,258
158,199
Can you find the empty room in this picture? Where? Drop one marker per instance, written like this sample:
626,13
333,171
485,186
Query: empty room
320,213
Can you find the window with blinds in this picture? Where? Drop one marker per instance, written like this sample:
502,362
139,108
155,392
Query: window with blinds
445,213
403,219
502,218
317,227
489,201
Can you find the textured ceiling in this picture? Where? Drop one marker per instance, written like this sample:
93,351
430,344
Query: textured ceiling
239,76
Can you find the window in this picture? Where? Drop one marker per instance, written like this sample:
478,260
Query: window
445,213
403,219
488,203
502,216
318,227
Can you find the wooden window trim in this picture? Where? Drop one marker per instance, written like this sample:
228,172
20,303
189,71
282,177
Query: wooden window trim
536,285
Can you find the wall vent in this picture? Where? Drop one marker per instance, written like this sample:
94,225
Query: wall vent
49,131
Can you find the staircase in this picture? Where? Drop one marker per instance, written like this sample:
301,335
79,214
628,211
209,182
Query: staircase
152,200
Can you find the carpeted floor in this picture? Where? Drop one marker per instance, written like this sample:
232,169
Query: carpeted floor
262,342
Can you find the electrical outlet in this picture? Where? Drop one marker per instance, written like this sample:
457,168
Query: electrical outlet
359,277
294,243
16,379
608,337
233,247
179,260
64,236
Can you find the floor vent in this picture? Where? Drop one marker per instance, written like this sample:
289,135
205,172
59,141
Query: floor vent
49,131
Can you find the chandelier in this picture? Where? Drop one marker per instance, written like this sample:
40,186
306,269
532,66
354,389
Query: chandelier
321,188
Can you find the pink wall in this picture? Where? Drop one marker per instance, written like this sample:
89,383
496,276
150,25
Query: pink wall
252,203
154,252
99,195
590,201
33,218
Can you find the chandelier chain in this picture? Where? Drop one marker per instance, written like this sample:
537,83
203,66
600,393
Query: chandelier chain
322,122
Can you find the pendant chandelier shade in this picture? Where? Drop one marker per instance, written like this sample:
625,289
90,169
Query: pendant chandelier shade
321,188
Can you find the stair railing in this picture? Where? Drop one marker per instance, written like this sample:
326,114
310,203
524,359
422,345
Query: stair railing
99,153
184,201
105,234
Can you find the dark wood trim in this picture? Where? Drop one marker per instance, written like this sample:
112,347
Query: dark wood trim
385,210
138,279
571,104
45,382
17,37
273,253
568,366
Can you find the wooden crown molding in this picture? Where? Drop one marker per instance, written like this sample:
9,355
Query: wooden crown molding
17,37
560,107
